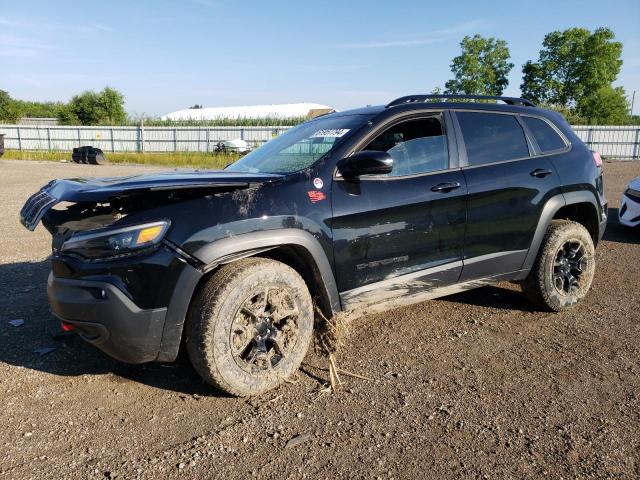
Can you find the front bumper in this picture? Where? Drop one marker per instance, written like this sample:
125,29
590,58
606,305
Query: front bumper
629,213
105,317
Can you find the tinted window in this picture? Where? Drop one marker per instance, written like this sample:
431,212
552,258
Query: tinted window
416,146
492,137
547,138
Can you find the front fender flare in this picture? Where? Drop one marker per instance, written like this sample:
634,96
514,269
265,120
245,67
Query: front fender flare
227,250
235,247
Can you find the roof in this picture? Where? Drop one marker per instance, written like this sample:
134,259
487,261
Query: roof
287,110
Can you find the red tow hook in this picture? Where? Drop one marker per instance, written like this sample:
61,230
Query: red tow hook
67,327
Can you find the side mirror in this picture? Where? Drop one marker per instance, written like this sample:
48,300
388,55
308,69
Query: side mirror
366,162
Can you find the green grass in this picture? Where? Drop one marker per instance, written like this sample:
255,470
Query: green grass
173,159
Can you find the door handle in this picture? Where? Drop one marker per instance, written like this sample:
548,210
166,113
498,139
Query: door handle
445,187
541,172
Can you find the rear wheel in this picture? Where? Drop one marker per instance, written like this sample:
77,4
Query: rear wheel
563,271
250,326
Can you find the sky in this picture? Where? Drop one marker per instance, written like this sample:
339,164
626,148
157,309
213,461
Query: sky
167,55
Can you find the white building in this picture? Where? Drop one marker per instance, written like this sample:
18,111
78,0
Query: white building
287,110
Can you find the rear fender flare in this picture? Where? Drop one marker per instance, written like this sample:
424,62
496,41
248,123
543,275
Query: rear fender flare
550,208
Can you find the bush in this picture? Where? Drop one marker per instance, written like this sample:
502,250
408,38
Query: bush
572,116
605,106
31,109
91,108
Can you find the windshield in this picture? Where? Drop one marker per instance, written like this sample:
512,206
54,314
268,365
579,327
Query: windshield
299,147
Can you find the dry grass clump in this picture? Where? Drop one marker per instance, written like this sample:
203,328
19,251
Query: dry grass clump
331,334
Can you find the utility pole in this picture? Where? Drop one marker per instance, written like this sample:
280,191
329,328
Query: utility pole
633,101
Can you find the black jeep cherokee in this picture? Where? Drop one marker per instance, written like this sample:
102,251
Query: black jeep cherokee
420,198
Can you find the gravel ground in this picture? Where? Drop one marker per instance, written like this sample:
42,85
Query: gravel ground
476,384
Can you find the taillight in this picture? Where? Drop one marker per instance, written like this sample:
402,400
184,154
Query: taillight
597,158
67,327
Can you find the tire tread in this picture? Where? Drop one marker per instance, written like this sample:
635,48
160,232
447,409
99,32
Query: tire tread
534,285
200,331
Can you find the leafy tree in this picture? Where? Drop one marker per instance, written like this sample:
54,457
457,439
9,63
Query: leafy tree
481,68
435,91
605,106
573,117
68,117
91,108
111,103
572,65
10,111
85,108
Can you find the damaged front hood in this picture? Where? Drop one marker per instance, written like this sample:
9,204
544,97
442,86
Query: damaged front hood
102,190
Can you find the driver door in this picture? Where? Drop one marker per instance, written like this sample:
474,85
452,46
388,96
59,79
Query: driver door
401,231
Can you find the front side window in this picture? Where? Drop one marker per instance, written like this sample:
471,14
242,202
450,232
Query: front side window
492,137
546,137
301,146
416,146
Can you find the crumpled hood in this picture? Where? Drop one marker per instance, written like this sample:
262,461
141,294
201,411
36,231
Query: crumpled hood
100,189
97,190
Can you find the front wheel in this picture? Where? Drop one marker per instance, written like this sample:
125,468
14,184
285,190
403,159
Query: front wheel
563,271
250,326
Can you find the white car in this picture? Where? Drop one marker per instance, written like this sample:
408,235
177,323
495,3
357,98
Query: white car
629,213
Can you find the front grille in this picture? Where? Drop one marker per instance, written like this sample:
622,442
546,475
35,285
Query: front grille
35,207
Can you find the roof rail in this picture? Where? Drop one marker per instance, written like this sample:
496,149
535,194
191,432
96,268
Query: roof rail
423,98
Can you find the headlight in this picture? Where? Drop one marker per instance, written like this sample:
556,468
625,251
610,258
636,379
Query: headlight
635,194
115,243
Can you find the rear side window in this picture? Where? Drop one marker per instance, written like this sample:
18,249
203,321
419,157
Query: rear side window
416,146
492,137
547,138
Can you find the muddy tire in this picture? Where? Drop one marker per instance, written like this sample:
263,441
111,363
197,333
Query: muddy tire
249,326
563,271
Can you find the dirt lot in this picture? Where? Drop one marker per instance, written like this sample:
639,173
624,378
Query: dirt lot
475,384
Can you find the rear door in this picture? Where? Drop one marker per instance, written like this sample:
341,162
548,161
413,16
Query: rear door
508,185
405,227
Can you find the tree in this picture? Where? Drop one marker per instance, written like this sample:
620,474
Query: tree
481,68
435,91
10,111
605,106
84,108
570,115
66,116
111,103
572,65
91,108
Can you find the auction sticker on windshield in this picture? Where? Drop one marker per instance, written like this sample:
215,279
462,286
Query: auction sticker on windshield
330,132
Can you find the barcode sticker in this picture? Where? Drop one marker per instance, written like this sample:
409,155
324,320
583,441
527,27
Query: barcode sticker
330,132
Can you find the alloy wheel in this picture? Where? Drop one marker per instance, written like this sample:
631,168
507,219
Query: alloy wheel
265,329
569,264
